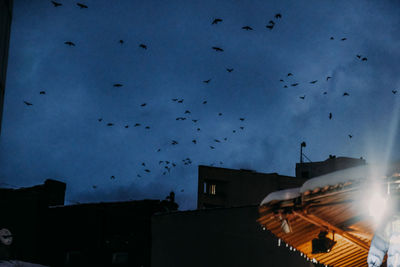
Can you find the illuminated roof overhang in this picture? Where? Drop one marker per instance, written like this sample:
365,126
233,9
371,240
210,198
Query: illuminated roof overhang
329,203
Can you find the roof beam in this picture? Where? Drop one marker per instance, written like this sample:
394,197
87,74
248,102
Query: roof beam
324,224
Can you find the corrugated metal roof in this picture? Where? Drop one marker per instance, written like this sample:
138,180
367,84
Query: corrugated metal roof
331,208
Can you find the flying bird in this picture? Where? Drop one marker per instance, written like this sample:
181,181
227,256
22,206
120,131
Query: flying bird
343,39
242,119
394,91
121,41
294,84
147,127
42,92
215,21
117,85
143,164
126,126
314,81
345,94
212,147
147,170
271,22
234,131
143,105
218,49
100,119
94,186
69,43
180,101
325,93
81,5
332,38
143,46
207,81
220,114
285,86
350,136
28,104
358,56
194,141
204,102
281,80
187,112
112,177
56,4
364,59
289,74
327,78
198,129
136,125
241,127
110,124
247,28
229,70
195,121
330,116
174,99
217,141
278,16
302,97
270,27
173,142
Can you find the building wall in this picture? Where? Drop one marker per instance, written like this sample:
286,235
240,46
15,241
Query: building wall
217,237
102,234
23,212
332,164
5,25
233,188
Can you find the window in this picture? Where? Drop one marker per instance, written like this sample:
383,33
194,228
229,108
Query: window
212,190
205,188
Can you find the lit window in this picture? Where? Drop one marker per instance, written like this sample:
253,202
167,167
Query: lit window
212,189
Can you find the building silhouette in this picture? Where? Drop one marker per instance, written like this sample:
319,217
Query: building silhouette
5,28
307,170
221,187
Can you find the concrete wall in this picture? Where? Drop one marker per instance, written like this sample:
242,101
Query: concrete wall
5,25
236,188
217,237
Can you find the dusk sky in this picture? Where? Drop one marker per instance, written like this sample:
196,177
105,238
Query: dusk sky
60,136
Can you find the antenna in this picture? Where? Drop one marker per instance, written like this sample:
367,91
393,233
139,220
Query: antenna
303,144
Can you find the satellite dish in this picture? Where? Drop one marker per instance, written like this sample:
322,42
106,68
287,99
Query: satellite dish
6,237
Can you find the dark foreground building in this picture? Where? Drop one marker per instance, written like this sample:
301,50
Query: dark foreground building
103,234
218,237
5,27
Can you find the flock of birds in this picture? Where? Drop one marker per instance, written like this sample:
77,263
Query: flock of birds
167,165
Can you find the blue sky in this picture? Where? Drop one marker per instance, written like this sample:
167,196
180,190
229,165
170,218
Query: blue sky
60,137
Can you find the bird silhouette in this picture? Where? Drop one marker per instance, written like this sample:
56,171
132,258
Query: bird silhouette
328,77
234,131
100,119
81,5
294,84
112,177
220,114
289,74
94,186
143,105
281,80
345,94
126,126
207,81
270,27
217,141
204,102
143,164
271,22
136,125
242,119
330,116
218,49
394,91
212,147
28,104
147,127
314,81
180,101
216,21
110,124
42,92
247,28
143,46
225,139
174,99
278,16
56,4
332,38
229,70
69,43
117,85
187,112
180,118
343,39
198,129
325,93
350,136
173,142
303,97
147,170
139,175
194,141
285,86
358,56
241,127
364,59
195,121
158,150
